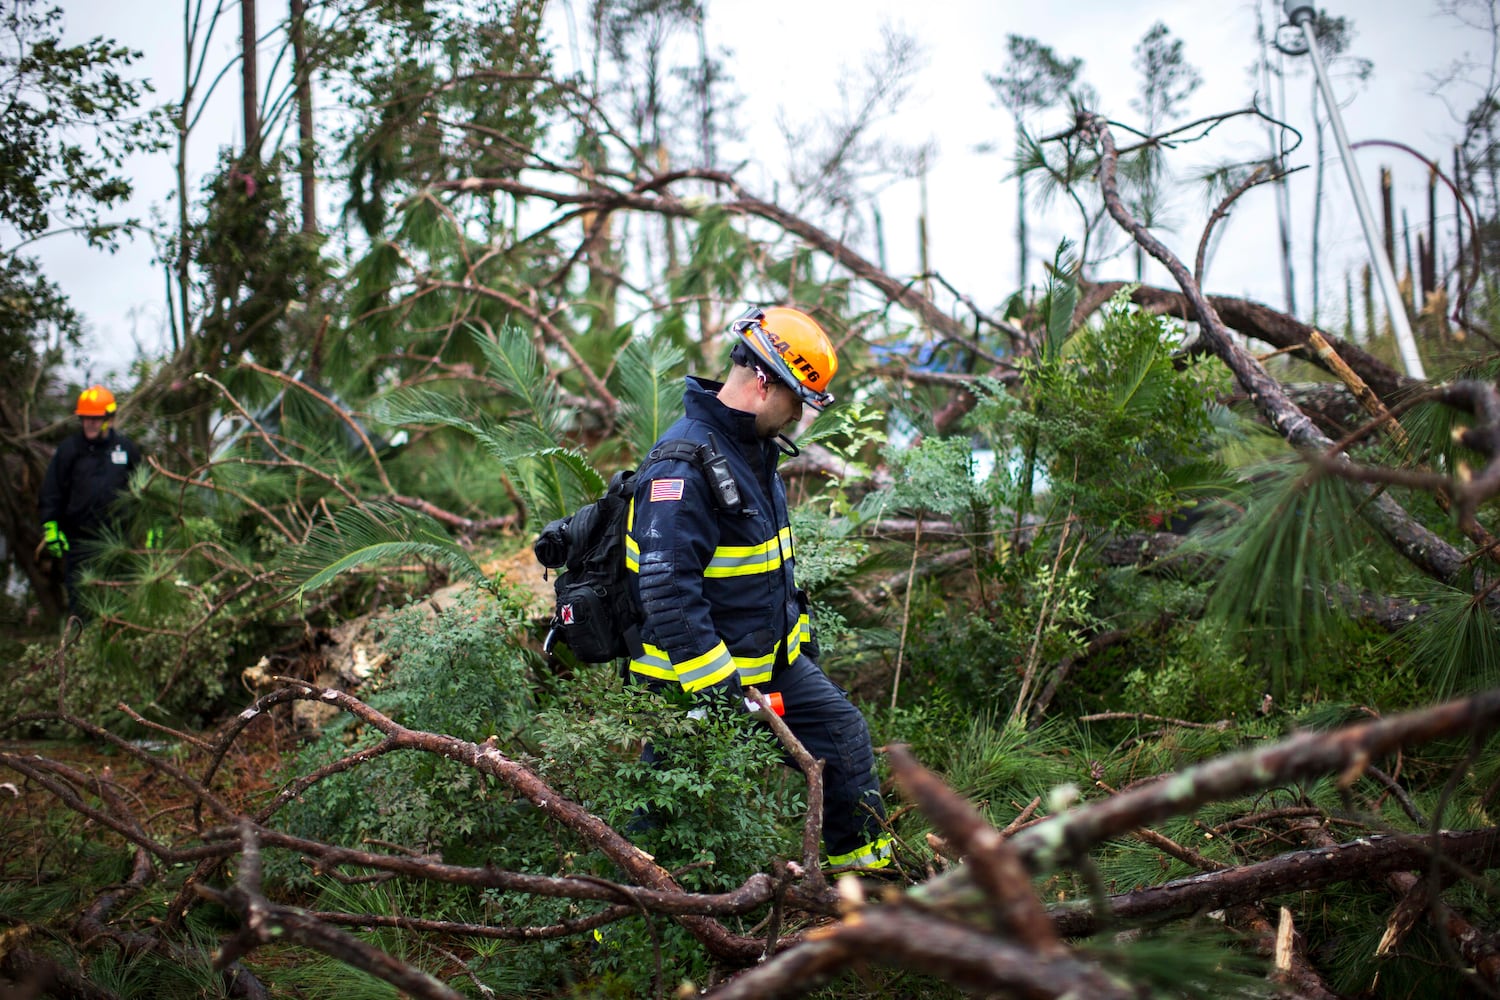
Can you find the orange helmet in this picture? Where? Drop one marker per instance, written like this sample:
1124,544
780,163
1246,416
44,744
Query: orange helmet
95,401
794,347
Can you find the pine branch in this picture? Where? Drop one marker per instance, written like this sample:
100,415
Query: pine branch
993,861
1420,546
902,938
1069,835
264,922
1296,871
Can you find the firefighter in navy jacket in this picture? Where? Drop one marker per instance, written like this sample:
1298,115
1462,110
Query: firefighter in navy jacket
717,587
88,472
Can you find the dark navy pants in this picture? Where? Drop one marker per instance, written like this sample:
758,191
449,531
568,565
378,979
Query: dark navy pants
827,724
820,715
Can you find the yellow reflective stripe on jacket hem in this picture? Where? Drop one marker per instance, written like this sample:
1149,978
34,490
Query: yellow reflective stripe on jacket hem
875,854
758,669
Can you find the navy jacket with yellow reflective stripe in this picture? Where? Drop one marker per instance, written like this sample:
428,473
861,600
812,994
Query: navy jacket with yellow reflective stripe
716,589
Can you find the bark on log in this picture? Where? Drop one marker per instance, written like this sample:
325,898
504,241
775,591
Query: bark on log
1294,872
906,939
1259,322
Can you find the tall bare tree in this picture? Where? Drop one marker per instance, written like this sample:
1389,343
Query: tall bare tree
1166,82
1035,78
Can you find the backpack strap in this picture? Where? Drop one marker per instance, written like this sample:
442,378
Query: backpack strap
711,462
675,449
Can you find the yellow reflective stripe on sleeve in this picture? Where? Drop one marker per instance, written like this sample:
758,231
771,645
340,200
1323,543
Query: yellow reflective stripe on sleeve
700,672
706,670
653,663
875,854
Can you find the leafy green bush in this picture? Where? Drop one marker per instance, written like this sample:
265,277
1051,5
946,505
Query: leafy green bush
461,671
721,806
716,797
177,671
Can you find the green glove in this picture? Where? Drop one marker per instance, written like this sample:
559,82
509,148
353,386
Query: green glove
54,540
154,537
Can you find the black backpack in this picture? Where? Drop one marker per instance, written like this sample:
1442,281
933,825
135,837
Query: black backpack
595,614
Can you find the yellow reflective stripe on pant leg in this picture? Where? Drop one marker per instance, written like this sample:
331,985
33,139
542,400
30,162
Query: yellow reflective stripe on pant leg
875,854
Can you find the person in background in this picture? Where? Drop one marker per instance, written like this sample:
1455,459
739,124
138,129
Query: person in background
85,478
715,581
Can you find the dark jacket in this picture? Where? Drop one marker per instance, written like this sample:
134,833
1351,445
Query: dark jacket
83,481
716,589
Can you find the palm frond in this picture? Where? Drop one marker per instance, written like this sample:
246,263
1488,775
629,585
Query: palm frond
1061,297
650,399
1142,380
506,441
552,480
513,362
557,481
376,532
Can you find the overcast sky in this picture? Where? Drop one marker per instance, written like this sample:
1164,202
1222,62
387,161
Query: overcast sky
791,53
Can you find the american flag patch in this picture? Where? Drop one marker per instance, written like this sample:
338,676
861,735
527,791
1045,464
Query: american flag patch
666,489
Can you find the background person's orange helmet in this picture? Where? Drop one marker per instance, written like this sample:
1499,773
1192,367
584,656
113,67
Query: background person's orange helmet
95,401
794,347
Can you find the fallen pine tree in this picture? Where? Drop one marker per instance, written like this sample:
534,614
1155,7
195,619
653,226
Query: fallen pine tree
980,925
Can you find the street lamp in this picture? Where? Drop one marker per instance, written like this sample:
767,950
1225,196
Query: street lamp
1302,15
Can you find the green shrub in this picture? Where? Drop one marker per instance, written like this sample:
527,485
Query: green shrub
461,671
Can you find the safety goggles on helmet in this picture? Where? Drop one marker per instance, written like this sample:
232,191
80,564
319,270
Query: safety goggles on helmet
751,328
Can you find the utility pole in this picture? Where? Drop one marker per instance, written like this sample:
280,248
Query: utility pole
1302,15
1278,163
